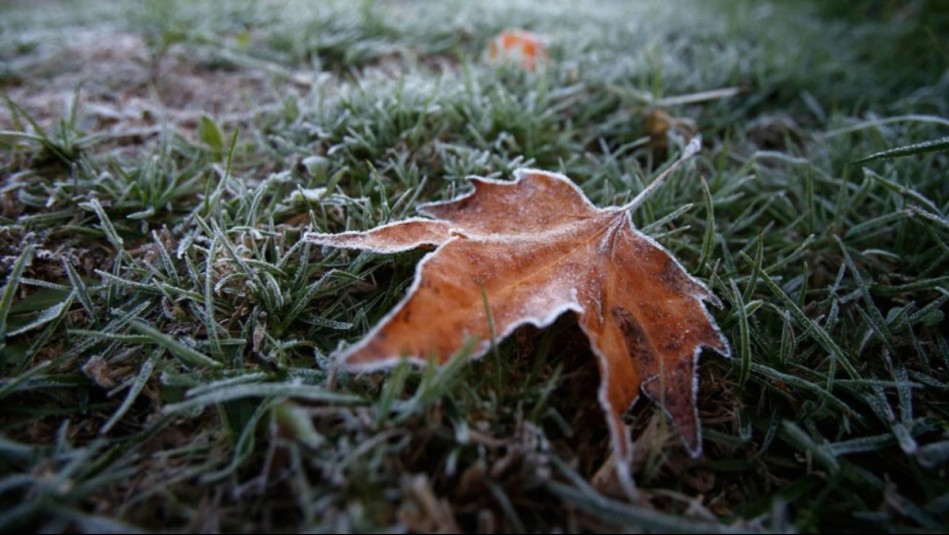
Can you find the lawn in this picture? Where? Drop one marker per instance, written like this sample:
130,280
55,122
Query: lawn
168,340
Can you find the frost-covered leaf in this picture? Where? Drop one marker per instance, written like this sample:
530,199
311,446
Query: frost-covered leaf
529,251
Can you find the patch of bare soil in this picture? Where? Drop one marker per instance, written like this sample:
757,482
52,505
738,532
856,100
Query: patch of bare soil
128,93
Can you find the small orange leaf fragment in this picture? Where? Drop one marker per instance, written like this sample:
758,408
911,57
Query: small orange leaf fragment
536,248
522,47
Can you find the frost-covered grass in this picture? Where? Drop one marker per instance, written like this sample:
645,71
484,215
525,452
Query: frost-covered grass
166,336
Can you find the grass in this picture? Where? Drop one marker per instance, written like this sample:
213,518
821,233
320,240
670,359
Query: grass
167,338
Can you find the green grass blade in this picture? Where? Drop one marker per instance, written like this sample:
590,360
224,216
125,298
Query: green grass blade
185,354
138,384
8,292
933,145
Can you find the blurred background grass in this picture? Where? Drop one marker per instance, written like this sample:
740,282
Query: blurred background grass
166,335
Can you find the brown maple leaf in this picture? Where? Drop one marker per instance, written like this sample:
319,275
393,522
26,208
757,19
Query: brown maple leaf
528,251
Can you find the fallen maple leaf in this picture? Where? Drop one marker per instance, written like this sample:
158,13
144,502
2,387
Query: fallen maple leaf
528,251
522,47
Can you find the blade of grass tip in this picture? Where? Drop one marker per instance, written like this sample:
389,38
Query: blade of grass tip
80,290
861,444
11,386
802,290
14,112
874,315
702,96
212,198
933,145
13,135
334,181
823,338
876,225
744,343
302,300
74,106
438,380
798,437
45,284
939,220
793,255
298,421
846,198
138,384
656,226
210,134
105,223
509,511
203,387
165,256
942,245
78,459
252,211
10,288
876,399
774,423
13,450
391,391
902,190
112,336
298,250
803,384
231,147
581,495
834,313
809,198
885,121
756,264
212,326
215,232
381,188
245,443
17,111
708,241
691,150
46,315
185,354
270,292
287,389
117,281
121,318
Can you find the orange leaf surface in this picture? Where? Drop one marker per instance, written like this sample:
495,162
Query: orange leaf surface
522,47
529,251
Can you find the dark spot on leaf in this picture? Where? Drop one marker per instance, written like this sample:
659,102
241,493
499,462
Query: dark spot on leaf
673,277
652,312
633,334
